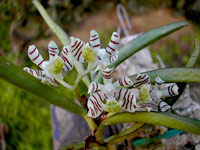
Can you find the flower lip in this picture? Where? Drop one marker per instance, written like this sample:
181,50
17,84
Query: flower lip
109,92
89,54
56,65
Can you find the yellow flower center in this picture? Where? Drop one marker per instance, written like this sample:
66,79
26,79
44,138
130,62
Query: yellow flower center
55,67
112,106
144,93
89,54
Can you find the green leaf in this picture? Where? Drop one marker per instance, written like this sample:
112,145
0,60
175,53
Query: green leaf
57,30
174,75
195,54
144,40
193,59
76,146
163,119
18,77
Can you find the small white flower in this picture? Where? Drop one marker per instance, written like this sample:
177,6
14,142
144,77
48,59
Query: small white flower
110,97
51,69
150,95
97,57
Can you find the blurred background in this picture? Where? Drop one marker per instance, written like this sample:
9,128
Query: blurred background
25,121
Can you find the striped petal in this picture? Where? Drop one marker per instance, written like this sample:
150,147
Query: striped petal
113,57
123,82
94,104
35,56
164,106
140,80
94,40
36,73
48,80
53,50
95,86
68,59
150,106
128,99
170,91
159,81
113,44
76,49
107,75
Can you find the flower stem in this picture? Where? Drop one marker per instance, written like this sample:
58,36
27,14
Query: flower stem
125,134
92,125
163,119
81,75
65,84
76,146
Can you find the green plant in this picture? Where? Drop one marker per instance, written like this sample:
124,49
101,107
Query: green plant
104,64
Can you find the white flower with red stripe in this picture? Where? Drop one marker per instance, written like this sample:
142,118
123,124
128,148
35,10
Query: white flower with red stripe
151,96
93,53
53,68
110,97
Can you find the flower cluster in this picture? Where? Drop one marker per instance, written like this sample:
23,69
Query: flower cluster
109,96
96,56
151,96
52,69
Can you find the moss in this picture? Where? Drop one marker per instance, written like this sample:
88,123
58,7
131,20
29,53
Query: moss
28,119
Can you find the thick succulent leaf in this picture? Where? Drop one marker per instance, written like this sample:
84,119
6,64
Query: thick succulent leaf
174,75
191,63
195,54
76,146
144,40
57,30
18,77
163,119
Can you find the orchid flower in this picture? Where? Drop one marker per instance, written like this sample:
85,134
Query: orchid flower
97,57
110,97
53,68
151,96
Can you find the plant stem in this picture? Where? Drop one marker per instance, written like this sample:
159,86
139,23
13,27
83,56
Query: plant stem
125,134
92,125
65,84
163,119
76,146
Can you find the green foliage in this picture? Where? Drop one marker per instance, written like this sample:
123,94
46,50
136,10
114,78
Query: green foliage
146,39
174,75
16,76
28,119
163,119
